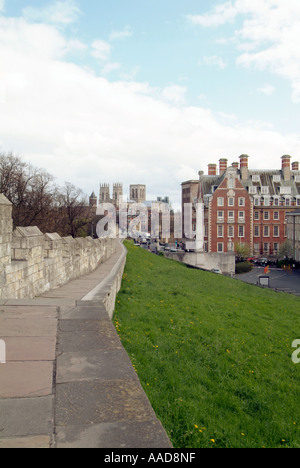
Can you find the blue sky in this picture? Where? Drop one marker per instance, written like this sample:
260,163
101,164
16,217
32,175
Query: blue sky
148,91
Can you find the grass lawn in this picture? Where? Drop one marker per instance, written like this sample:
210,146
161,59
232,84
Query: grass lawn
213,354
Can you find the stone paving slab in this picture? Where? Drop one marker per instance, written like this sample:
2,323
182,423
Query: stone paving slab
32,348
37,326
25,417
26,379
95,364
120,435
94,402
86,335
22,311
38,442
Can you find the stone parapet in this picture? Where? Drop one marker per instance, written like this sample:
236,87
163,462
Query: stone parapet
32,263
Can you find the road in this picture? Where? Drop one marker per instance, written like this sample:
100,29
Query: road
279,279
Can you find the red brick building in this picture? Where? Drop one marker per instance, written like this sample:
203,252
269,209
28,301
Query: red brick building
244,206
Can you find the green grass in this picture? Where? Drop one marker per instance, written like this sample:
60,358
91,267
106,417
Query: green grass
212,353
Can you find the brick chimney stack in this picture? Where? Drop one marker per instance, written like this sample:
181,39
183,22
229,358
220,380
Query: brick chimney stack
295,166
286,167
244,166
235,165
223,165
212,169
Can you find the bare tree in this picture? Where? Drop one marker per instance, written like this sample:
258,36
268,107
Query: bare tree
75,213
37,201
30,190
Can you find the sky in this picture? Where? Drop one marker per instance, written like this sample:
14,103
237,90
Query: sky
148,91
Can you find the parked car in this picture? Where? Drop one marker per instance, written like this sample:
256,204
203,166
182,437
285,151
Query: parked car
252,260
217,271
263,261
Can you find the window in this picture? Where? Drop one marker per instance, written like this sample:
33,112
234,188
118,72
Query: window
256,215
266,248
276,201
241,201
297,178
276,215
220,247
230,231
266,215
276,178
220,201
255,178
285,190
256,248
256,231
231,216
241,231
267,201
256,201
266,231
220,231
221,216
276,248
230,201
287,202
242,216
265,190
252,190
298,201
276,231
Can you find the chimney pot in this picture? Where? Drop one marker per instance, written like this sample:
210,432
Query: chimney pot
223,165
244,166
212,169
286,167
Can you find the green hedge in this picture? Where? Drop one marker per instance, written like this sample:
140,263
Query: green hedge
243,267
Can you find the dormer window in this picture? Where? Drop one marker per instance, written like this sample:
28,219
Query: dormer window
265,190
285,190
252,190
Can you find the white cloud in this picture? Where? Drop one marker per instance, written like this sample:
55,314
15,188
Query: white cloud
269,90
2,2
110,67
213,60
220,14
175,94
268,38
85,129
60,12
120,35
101,49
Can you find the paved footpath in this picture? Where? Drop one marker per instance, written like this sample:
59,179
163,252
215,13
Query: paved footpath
67,381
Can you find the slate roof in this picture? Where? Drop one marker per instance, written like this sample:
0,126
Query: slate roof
280,188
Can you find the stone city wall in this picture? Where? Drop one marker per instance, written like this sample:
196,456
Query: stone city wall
206,261
32,263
